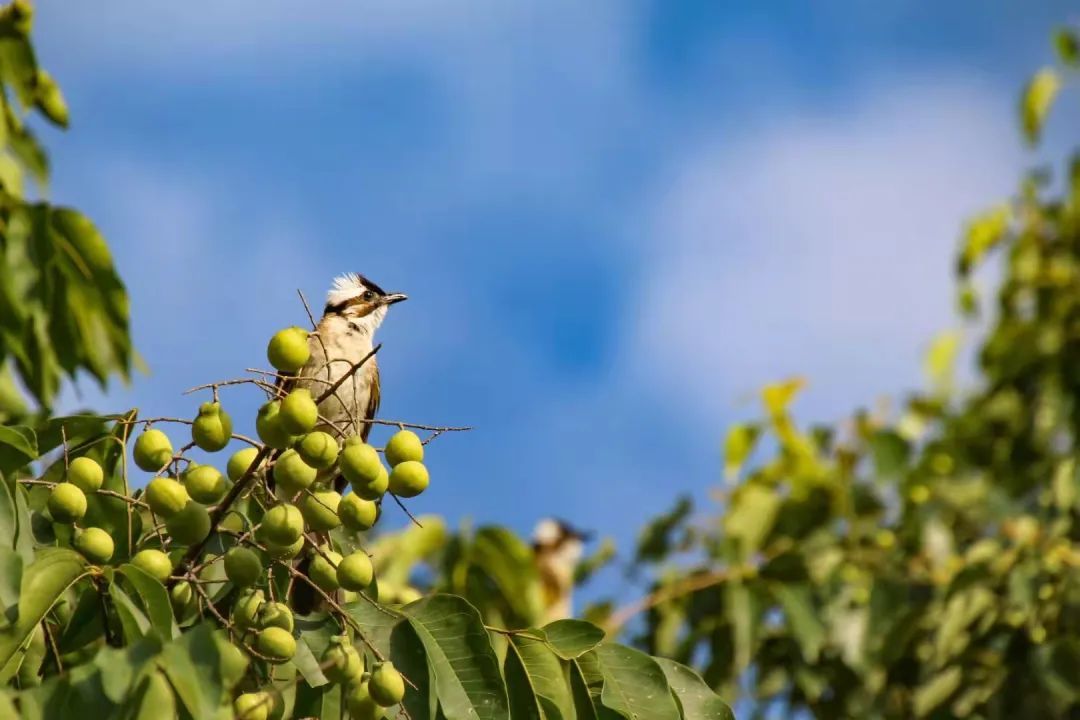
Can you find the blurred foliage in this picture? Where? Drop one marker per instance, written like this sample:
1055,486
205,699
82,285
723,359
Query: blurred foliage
63,309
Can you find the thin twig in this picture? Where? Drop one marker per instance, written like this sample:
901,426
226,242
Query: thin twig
620,617
402,506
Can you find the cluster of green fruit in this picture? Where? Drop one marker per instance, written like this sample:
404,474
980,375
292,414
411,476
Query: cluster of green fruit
288,494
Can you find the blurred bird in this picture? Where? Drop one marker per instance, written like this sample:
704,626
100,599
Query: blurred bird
355,308
557,548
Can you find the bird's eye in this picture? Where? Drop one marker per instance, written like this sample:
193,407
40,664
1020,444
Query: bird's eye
368,295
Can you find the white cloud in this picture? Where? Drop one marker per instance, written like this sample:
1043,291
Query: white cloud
821,245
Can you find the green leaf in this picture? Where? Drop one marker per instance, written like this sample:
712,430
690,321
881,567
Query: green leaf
509,563
1067,46
572,638
1037,99
890,452
983,234
751,515
660,537
798,604
936,690
314,632
18,446
11,571
583,701
155,600
738,445
133,620
538,681
155,698
15,520
321,702
696,699
467,677
202,657
634,685
409,657
43,582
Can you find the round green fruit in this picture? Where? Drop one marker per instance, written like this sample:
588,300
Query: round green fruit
166,496
181,597
154,563
386,685
253,706
283,524
320,509
85,474
354,572
323,571
361,706
341,662
243,566
409,479
205,484
189,526
277,644
245,613
67,503
402,446
153,450
318,449
360,462
269,427
239,463
212,429
356,513
292,474
275,614
299,414
288,350
95,544
283,552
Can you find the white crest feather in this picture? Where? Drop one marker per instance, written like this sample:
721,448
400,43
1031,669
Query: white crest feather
345,286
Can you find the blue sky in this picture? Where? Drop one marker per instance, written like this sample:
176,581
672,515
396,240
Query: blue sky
615,220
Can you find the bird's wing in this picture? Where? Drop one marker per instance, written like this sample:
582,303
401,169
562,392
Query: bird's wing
374,396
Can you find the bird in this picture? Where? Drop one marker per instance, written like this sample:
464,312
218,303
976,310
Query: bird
345,334
557,549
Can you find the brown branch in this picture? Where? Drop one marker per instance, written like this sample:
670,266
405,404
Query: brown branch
348,374
620,617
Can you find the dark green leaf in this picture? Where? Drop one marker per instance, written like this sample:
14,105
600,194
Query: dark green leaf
155,600
541,679
634,685
467,677
696,699
18,446
571,638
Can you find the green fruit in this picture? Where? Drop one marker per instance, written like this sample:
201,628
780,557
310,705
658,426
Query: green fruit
85,474
292,474
154,562
404,445
356,513
269,427
245,612
319,509
275,614
253,706
288,350
361,706
354,572
409,479
152,450
205,483
95,544
212,429
323,572
189,526
242,566
341,663
386,685
181,597
360,462
283,552
277,644
283,524
239,463
299,414
67,503
319,449
166,496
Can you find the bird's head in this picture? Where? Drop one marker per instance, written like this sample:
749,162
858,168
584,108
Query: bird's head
557,538
359,300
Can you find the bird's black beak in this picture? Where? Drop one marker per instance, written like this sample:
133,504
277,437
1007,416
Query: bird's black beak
392,298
